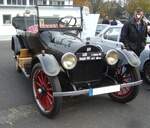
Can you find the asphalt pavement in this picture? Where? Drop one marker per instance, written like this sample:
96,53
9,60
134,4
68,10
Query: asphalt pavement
18,109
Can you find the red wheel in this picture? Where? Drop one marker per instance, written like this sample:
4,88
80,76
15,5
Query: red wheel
126,74
43,88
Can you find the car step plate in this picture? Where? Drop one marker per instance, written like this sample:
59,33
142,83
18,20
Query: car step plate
104,90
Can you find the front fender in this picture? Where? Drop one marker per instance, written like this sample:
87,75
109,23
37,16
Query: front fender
49,64
144,56
129,57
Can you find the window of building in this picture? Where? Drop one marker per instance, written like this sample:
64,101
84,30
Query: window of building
50,2
60,3
35,2
8,2
24,2
39,2
19,2
31,2
54,3
6,19
1,1
14,2
44,2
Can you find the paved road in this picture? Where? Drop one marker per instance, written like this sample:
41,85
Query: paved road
18,110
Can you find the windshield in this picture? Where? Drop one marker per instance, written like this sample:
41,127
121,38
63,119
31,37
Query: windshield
59,17
101,27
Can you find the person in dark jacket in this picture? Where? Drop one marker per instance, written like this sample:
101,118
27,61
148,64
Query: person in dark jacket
113,22
106,20
134,33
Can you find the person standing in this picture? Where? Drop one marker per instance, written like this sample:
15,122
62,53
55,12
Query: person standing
113,22
134,33
106,20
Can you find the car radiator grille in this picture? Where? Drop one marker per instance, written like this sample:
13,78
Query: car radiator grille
91,65
88,71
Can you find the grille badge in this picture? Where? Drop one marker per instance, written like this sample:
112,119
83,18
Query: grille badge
88,49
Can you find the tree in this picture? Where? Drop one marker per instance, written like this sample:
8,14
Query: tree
96,5
111,9
81,2
133,4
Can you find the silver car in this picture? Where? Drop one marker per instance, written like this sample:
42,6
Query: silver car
110,36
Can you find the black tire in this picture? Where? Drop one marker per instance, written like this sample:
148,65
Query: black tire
132,91
146,72
53,85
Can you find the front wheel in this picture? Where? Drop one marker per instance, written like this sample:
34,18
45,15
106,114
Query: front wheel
43,88
126,74
146,72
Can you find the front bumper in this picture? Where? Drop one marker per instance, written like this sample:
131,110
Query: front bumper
98,91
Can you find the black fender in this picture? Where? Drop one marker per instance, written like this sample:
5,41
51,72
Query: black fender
15,45
49,64
129,57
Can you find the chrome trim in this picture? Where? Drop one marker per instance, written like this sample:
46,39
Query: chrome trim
86,91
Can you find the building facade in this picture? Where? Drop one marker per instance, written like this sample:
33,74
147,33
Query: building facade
11,8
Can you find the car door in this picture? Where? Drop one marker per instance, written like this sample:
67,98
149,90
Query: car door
111,37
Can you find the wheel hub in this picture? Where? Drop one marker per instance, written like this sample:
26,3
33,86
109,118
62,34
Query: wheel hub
41,90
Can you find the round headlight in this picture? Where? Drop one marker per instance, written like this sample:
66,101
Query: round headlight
112,57
69,61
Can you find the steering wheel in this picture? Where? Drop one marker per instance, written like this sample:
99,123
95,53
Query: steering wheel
68,21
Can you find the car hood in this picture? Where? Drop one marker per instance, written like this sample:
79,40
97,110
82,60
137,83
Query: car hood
63,43
97,41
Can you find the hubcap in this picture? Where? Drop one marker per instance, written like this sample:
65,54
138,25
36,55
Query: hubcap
43,92
40,91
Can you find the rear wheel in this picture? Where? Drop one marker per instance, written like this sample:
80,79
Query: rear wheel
43,88
146,72
126,74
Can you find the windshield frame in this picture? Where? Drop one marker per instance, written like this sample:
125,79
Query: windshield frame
59,29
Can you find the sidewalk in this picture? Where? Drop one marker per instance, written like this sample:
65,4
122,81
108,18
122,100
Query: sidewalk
6,32
5,37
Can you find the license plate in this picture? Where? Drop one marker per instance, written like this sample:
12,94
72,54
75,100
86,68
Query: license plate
104,90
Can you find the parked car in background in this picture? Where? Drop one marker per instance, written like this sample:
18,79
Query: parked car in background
118,22
110,36
59,63
100,27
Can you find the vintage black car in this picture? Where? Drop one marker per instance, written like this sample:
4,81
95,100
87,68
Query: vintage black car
49,51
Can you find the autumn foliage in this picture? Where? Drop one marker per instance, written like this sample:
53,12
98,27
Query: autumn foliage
133,4
81,2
